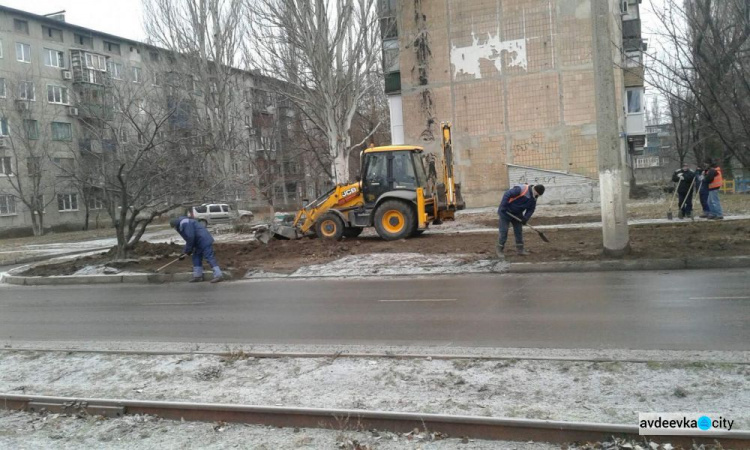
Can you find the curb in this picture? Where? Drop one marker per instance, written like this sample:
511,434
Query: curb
735,262
155,278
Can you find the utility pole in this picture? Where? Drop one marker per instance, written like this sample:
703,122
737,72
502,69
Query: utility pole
611,165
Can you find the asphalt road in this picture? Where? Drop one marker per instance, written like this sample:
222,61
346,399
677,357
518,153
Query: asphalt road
691,310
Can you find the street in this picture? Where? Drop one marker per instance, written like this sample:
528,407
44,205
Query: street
685,310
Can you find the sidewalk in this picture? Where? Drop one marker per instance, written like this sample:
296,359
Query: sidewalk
588,225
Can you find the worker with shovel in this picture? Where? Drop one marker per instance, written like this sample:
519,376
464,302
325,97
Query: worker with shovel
685,179
198,244
516,208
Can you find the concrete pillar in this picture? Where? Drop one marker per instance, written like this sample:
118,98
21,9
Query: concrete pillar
612,171
397,119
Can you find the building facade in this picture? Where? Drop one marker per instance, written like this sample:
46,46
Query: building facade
56,79
516,79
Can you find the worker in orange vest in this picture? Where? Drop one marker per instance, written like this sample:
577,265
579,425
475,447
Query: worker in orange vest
715,181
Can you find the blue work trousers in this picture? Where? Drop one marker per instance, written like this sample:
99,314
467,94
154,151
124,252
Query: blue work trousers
208,253
505,223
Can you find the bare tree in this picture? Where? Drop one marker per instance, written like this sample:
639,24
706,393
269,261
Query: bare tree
325,52
705,74
140,156
31,134
205,38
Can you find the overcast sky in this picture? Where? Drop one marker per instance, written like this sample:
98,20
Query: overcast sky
119,17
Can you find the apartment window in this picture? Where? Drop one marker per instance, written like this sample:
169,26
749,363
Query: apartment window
5,166
21,26
84,41
154,56
3,94
111,47
1,48
4,127
23,52
34,166
65,164
57,94
52,34
140,139
95,202
67,202
7,205
136,74
96,62
390,56
635,101
31,129
54,58
26,91
62,131
115,70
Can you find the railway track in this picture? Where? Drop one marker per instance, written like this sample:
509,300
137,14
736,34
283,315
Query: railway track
337,419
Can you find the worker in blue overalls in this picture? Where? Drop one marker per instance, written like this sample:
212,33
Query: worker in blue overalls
516,208
198,244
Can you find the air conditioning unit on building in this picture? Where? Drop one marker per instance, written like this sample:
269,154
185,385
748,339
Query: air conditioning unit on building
67,75
73,111
22,105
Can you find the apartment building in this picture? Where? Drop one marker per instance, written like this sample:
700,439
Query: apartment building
516,79
56,79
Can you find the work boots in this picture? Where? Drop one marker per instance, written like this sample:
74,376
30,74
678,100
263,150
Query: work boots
521,252
499,249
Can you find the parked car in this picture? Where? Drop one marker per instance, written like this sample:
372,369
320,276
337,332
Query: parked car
211,213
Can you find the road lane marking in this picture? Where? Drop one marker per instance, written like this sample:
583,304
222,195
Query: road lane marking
173,304
719,298
419,300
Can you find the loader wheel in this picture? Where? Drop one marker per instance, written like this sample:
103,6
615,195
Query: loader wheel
330,226
352,232
394,220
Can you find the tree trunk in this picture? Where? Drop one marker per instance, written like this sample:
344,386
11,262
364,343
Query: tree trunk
37,223
86,216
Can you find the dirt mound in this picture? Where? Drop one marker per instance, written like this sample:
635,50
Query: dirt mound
148,249
674,240
536,221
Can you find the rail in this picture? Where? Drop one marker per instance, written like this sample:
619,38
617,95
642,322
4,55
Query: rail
337,419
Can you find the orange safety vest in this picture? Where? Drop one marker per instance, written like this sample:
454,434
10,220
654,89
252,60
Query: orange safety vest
718,181
525,190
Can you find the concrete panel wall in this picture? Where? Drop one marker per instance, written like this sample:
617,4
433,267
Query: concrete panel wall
515,77
560,187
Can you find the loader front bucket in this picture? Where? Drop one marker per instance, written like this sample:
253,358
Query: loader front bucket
284,232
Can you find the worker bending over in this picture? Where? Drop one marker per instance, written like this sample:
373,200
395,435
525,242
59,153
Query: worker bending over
516,208
199,244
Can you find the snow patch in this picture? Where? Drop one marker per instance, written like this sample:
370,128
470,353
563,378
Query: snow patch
400,264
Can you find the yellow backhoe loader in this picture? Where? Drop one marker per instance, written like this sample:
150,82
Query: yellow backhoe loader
398,194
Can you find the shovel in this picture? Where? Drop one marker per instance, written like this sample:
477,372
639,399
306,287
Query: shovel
167,265
669,212
541,235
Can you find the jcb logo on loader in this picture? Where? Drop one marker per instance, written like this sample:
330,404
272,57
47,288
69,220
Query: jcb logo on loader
347,195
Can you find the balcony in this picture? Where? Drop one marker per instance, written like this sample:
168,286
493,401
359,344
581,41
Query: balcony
96,111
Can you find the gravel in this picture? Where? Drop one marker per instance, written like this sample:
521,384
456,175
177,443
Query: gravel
612,392
20,430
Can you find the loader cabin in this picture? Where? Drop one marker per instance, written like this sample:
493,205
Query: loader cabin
389,168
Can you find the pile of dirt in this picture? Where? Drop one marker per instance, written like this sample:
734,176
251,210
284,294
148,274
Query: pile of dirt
678,240
536,221
148,249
